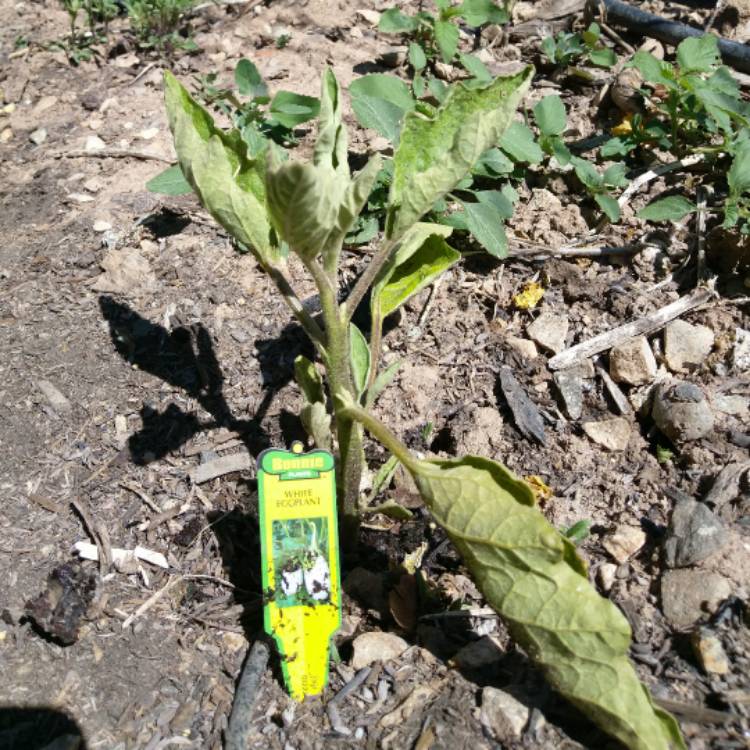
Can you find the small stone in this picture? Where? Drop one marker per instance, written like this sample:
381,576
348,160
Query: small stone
681,412
485,651
148,134
394,57
5,135
93,144
709,652
502,714
101,226
56,399
39,136
632,362
570,387
737,406
741,350
624,542
612,434
619,399
689,594
549,331
694,534
125,271
524,347
606,575
80,198
121,429
370,16
376,646
686,346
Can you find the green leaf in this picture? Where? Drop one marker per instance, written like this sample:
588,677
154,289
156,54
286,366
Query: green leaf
170,182
417,57
518,142
497,200
738,176
309,380
578,531
614,175
421,257
587,173
672,208
359,357
436,153
698,54
248,79
381,383
229,185
617,147
291,110
654,70
438,88
486,225
479,12
317,423
550,115
383,476
446,38
493,162
609,205
393,21
380,115
382,86
603,57
535,580
474,66
364,230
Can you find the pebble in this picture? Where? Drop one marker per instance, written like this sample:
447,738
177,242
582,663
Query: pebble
483,652
370,16
741,350
612,434
606,575
56,399
376,646
570,387
694,534
709,652
5,135
686,346
39,136
148,134
549,331
681,412
624,542
689,594
524,347
101,226
737,406
632,362
93,144
502,714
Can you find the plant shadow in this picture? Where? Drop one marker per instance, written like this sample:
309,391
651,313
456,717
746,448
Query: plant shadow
38,728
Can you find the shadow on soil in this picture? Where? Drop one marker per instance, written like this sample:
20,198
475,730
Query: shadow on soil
39,728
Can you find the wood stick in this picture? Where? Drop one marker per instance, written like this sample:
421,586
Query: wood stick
110,153
647,324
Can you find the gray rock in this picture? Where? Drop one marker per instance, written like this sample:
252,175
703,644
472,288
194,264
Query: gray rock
686,346
571,391
694,534
56,399
525,348
502,714
681,412
483,652
613,434
624,542
632,362
549,331
39,136
689,594
741,350
376,646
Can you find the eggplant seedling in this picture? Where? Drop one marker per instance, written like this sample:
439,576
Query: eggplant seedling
529,572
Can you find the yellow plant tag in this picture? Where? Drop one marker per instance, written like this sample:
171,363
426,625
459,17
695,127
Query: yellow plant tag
300,561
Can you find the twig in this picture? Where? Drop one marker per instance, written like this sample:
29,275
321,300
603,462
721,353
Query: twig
110,153
98,534
240,720
146,499
150,601
351,686
652,174
648,324
430,299
715,12
483,612
140,75
700,228
583,251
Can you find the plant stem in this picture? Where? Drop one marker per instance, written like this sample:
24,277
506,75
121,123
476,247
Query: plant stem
376,338
365,280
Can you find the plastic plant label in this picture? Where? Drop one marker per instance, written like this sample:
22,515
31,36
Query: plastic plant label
300,560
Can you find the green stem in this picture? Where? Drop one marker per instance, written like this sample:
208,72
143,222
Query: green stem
376,339
368,276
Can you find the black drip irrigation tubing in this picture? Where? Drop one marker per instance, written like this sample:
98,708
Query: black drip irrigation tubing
618,13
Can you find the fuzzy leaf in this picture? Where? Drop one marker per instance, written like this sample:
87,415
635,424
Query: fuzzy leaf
380,115
609,205
359,357
550,115
417,56
479,12
672,208
654,70
317,423
170,182
698,54
229,185
446,37
518,141
248,79
309,380
436,153
475,66
393,21
738,176
381,383
486,225
290,109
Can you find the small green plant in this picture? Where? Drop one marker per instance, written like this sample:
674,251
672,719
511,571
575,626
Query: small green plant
584,46
526,569
156,23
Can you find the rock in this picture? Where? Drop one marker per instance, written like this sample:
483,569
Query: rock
736,406
681,412
101,226
485,651
632,362
694,534
502,714
709,652
606,575
624,542
549,331
39,136
687,595
148,134
686,346
6,134
741,350
370,16
619,399
570,387
376,646
525,348
56,399
394,57
125,271
93,144
612,434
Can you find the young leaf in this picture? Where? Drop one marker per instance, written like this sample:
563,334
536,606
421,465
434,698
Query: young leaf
479,12
654,70
614,175
438,88
493,162
578,531
485,224
603,58
518,141
248,79
292,110
498,200
359,357
698,54
380,115
317,423
435,153
381,382
550,115
446,38
609,205
393,21
417,57
382,86
309,380
738,177
475,66
587,173
672,208
170,182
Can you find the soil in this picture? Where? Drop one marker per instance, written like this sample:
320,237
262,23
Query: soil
137,344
